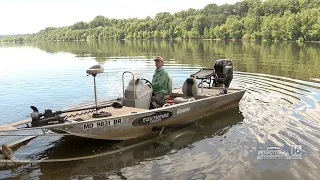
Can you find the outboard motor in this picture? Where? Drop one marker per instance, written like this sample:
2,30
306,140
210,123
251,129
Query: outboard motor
223,72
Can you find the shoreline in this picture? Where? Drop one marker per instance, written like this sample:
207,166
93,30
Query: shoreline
172,39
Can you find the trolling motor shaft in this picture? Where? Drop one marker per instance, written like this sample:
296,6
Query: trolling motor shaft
94,70
95,92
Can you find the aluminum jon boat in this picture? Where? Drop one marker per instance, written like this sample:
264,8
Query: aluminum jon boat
130,116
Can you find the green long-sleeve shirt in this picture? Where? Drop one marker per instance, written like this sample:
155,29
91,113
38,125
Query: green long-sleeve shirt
160,81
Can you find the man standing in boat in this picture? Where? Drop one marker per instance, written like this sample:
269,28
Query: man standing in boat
159,83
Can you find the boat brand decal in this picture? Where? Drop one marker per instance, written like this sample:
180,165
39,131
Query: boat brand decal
102,124
183,110
153,118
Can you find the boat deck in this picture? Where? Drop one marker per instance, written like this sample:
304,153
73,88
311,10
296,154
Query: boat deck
205,92
114,112
86,115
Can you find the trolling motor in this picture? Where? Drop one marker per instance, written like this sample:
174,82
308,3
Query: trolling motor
49,117
46,118
94,70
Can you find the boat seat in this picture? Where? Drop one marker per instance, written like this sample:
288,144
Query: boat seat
190,91
169,88
204,75
94,70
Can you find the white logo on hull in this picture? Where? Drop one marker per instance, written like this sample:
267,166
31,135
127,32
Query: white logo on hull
183,110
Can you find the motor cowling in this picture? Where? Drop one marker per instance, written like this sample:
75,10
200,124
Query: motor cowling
223,70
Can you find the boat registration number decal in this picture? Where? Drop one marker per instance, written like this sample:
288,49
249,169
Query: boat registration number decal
153,118
102,124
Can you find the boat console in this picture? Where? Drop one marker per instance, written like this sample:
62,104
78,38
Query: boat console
138,92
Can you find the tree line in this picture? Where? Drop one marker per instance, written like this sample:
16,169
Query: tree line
279,20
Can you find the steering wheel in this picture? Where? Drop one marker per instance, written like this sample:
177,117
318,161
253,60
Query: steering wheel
147,81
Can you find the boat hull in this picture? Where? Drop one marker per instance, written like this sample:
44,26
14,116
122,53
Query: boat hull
138,124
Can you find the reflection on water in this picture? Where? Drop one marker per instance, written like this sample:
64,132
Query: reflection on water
281,107
299,61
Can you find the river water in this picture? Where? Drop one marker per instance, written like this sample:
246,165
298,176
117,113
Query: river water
280,109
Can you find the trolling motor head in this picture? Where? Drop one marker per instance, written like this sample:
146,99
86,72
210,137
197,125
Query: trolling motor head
94,70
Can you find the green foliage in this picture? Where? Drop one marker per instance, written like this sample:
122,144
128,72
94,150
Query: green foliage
80,25
280,20
221,32
234,27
